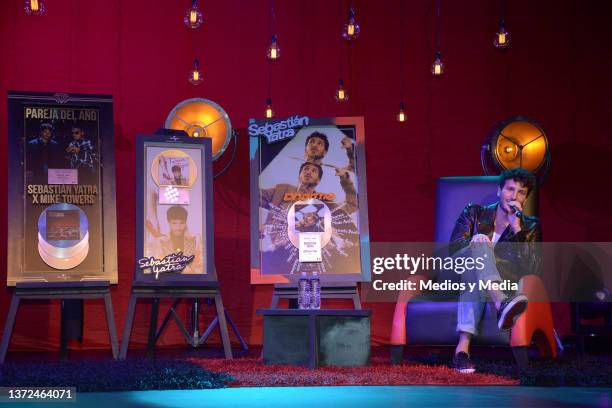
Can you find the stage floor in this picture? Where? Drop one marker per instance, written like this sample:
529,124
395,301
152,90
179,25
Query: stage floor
353,396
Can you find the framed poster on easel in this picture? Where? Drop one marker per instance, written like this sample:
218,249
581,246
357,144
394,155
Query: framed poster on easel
61,188
62,234
174,211
308,200
174,234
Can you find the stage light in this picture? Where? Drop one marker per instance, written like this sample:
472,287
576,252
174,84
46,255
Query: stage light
502,37
269,111
196,130
195,76
401,115
200,117
341,95
516,142
193,16
351,29
437,68
273,50
34,7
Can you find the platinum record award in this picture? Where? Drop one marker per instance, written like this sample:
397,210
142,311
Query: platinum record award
63,236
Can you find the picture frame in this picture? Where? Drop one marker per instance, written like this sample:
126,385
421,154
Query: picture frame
174,213
61,188
336,208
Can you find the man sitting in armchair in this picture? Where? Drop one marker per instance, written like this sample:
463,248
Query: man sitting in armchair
504,238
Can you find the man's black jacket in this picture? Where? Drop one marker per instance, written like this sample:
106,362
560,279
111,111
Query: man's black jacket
516,255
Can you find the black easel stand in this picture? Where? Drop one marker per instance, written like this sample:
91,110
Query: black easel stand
195,340
178,292
61,291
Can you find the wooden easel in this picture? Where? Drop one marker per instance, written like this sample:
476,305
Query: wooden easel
191,291
61,291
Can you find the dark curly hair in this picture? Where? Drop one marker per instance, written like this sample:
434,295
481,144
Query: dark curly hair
520,175
320,136
319,168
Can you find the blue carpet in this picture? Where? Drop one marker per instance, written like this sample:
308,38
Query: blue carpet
354,397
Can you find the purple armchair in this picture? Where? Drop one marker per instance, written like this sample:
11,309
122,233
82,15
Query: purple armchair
412,320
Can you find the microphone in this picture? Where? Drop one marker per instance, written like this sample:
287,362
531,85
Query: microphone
518,212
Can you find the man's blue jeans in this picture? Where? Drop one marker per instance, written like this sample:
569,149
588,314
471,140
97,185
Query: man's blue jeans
472,303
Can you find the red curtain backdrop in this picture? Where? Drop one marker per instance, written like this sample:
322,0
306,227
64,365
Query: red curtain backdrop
557,71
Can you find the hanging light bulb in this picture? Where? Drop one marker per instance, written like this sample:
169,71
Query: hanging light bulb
274,50
195,76
351,29
502,37
34,7
341,95
437,68
193,16
269,111
401,115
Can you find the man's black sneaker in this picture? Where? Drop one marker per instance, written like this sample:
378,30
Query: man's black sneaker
509,310
463,363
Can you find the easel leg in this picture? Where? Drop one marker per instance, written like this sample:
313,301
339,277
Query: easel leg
152,327
274,304
227,347
127,329
243,344
63,335
214,323
8,327
312,333
112,328
167,319
356,300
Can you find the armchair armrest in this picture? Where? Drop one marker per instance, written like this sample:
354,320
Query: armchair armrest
398,326
536,323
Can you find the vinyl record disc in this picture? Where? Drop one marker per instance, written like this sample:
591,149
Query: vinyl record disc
65,263
58,252
63,236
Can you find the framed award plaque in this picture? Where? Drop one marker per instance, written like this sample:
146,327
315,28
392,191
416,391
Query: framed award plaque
174,210
61,188
308,200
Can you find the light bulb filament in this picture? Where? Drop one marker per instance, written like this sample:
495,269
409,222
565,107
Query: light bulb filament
501,37
196,75
350,29
34,5
193,16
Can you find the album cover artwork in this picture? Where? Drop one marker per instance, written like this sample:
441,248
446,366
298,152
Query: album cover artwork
63,225
173,171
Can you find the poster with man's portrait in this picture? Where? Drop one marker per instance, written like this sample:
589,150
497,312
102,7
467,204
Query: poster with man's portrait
308,180
174,207
64,227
